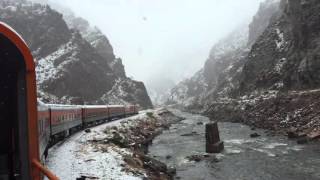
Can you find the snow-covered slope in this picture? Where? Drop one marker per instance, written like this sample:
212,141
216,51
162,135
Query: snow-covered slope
75,62
192,93
221,74
273,82
188,93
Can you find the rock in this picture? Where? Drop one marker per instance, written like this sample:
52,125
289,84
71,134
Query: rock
87,130
131,161
254,135
206,155
214,159
292,133
303,140
189,134
168,157
117,139
215,148
213,143
171,171
198,158
152,164
314,134
83,177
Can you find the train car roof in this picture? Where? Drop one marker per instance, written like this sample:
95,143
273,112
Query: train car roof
41,105
63,106
115,105
94,106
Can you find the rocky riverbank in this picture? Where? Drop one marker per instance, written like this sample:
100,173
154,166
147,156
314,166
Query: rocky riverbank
114,150
131,139
295,114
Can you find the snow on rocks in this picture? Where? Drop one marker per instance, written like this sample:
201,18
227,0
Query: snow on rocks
280,42
116,150
46,69
295,114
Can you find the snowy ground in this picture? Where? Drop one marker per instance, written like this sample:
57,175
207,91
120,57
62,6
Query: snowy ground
76,157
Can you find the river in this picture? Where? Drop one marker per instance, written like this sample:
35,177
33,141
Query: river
244,158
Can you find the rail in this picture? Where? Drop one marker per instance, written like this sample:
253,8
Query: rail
44,170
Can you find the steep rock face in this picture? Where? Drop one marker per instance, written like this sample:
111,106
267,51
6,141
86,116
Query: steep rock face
159,89
188,93
225,57
79,71
73,66
286,56
223,71
279,83
51,30
127,90
94,36
260,21
221,55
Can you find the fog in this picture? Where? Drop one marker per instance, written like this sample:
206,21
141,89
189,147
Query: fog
163,39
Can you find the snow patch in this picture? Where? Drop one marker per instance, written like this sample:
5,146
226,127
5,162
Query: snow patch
278,67
46,69
280,41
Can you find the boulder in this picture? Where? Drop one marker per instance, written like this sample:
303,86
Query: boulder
254,135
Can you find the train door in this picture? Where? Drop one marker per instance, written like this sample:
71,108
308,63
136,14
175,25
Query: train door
19,144
14,124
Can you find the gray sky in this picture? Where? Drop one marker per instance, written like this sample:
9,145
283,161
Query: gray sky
169,38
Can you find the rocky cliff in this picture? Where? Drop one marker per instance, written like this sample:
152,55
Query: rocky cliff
272,82
218,75
75,62
222,73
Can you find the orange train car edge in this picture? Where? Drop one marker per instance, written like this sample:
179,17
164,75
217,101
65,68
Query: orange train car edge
19,150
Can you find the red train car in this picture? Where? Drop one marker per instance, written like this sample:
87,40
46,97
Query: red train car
130,110
92,114
116,111
64,119
43,129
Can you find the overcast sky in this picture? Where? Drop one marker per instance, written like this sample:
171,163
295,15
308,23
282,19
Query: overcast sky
167,38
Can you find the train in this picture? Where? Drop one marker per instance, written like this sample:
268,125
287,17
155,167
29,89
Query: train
28,126
57,121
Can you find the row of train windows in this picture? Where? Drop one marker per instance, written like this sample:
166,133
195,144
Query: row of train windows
68,117
93,114
96,113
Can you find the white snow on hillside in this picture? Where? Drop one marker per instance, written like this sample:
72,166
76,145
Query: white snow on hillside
76,156
45,67
235,40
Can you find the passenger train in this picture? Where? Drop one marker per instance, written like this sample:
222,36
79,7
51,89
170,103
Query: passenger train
29,127
56,121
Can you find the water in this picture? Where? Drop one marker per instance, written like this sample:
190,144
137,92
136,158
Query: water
244,158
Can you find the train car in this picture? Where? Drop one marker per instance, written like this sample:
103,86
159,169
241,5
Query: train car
136,109
130,110
19,149
94,114
43,129
64,119
116,111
